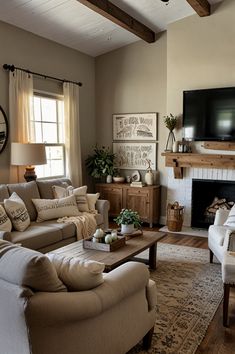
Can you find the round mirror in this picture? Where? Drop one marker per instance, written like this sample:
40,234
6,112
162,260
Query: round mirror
3,129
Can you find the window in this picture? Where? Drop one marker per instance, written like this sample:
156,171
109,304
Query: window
48,123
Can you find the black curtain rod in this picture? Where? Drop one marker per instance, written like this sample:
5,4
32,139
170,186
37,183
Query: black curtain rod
13,67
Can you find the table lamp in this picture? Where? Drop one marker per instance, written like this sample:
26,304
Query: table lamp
29,155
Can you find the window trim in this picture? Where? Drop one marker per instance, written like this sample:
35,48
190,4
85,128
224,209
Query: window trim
57,97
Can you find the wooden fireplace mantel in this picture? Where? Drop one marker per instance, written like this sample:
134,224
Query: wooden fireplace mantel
180,160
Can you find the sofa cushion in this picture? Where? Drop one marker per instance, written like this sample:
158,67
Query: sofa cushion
67,230
36,236
17,212
5,222
26,191
24,267
77,274
45,187
4,194
49,209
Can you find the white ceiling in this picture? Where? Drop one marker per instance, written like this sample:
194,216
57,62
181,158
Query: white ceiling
74,25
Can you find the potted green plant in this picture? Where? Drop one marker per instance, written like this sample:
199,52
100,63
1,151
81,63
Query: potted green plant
170,122
129,220
101,163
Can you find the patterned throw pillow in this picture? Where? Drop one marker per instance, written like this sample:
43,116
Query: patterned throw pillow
49,209
5,222
61,192
80,194
231,218
17,212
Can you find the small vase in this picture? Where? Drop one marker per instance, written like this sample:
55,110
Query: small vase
170,141
127,229
109,179
149,177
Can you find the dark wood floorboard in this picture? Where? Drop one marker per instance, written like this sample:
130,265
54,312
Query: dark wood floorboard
218,339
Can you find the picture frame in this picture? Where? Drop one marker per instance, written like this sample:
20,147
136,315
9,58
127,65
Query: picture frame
135,126
134,156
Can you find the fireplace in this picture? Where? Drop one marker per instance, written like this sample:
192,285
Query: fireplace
207,197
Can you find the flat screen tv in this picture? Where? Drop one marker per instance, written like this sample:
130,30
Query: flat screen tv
209,114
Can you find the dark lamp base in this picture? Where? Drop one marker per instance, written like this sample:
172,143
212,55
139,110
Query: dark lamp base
30,174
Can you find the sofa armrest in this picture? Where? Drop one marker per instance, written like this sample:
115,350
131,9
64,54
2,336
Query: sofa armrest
5,235
151,294
57,308
221,216
102,206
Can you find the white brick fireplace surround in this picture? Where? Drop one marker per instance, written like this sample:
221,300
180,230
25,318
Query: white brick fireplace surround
181,189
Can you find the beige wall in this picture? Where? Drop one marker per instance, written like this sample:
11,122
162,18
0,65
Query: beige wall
195,53
132,79
29,51
200,53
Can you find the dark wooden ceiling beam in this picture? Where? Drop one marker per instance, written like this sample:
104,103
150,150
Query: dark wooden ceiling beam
202,7
121,18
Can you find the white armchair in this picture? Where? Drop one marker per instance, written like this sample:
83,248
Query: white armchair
217,234
228,272
221,243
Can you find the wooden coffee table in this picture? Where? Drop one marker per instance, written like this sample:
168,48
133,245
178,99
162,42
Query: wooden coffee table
133,247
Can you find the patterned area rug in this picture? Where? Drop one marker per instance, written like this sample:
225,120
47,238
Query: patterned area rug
189,292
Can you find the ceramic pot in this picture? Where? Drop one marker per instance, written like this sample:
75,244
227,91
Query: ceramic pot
109,179
149,178
127,229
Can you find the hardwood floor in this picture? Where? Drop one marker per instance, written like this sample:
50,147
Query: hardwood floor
218,339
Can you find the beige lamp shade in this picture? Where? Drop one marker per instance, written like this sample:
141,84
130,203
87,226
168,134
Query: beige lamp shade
28,154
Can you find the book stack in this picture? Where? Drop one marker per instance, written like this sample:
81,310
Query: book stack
137,184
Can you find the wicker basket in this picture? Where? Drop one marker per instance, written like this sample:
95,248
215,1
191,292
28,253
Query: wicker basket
175,216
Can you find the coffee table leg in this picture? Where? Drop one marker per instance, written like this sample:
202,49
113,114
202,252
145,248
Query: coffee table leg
153,256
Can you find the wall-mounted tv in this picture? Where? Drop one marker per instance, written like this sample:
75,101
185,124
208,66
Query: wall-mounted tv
209,114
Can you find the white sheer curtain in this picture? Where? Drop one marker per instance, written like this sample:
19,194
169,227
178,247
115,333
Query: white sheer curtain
72,133
20,111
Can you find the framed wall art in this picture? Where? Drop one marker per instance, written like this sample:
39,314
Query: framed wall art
135,155
135,126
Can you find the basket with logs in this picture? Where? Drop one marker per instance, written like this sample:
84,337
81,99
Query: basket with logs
175,216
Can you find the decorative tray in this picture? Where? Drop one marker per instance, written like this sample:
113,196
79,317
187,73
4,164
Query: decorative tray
136,233
101,246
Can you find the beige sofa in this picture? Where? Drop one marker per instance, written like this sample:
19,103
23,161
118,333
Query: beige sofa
48,235
39,315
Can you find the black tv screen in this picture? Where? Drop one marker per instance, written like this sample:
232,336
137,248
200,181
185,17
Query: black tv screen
209,114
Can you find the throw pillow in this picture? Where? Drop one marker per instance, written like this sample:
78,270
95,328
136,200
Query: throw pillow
17,212
5,222
92,199
80,194
61,192
231,218
49,209
76,274
25,267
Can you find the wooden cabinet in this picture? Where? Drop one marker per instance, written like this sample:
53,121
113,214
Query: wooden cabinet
144,200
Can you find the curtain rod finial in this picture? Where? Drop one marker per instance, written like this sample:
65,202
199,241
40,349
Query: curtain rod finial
9,67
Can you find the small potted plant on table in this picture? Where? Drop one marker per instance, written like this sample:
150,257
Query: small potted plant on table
129,220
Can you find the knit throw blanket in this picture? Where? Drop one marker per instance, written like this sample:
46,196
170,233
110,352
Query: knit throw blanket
85,224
